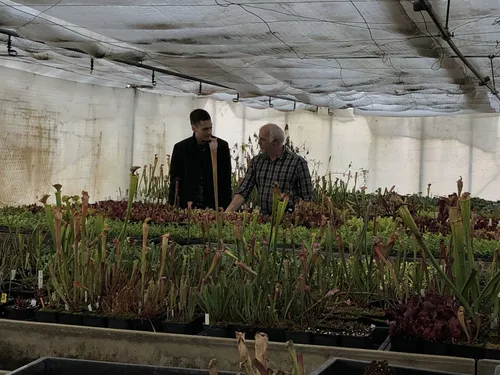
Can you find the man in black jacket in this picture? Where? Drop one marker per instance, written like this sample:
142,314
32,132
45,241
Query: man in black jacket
191,167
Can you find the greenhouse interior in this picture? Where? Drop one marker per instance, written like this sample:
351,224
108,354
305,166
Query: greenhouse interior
250,187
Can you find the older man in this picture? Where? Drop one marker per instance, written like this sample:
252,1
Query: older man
274,165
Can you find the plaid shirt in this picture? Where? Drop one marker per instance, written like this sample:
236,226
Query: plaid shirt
289,171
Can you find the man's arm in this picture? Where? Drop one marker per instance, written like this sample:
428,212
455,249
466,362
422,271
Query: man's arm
174,171
236,203
304,188
244,190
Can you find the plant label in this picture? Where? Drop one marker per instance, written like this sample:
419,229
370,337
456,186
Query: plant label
86,296
207,319
4,298
12,274
66,307
33,302
40,279
90,307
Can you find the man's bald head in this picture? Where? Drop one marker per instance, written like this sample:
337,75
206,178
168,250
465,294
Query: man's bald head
271,140
273,134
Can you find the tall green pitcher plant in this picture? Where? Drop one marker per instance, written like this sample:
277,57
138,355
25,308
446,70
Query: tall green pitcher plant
218,218
463,282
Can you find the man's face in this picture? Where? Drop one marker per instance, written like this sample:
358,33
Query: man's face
203,131
264,140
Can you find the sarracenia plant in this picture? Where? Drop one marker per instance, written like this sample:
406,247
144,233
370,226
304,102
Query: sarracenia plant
133,182
216,299
218,216
464,283
153,188
75,270
259,365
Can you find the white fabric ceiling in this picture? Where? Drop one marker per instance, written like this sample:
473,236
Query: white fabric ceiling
376,56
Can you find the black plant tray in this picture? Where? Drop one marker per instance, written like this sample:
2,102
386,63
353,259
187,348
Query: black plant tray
218,331
46,316
299,337
337,366
73,319
119,323
19,314
420,346
274,334
91,320
64,366
3,308
373,341
146,324
192,328
249,331
492,354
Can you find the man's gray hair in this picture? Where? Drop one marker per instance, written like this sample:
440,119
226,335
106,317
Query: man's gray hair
276,134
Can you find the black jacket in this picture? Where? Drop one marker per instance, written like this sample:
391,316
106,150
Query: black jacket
187,164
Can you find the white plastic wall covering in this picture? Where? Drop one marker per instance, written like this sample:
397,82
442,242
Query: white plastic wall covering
86,137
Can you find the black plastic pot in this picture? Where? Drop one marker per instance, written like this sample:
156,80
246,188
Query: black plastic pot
492,354
407,345
192,328
298,337
46,316
274,334
335,337
148,325
70,318
217,331
90,320
64,366
247,330
14,313
324,339
3,308
119,323
357,342
466,351
379,335
419,346
435,348
336,366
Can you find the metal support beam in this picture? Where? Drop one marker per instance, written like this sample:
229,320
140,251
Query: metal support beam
425,5
12,33
171,73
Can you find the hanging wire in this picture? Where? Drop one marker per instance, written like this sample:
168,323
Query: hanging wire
237,99
91,65
271,105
